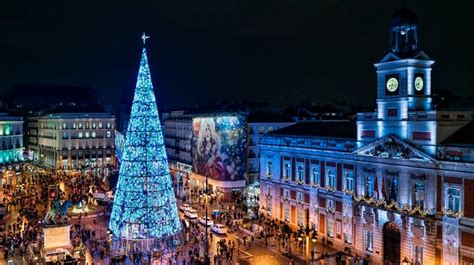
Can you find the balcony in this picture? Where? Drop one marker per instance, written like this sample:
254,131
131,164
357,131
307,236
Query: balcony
268,176
285,179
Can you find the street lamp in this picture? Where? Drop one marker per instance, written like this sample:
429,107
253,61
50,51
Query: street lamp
206,250
308,231
405,261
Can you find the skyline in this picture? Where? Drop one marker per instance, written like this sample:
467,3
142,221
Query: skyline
207,53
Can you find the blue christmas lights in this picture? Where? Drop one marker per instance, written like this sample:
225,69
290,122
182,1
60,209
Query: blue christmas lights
144,204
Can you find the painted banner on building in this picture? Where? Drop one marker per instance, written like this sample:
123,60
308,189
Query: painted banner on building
219,147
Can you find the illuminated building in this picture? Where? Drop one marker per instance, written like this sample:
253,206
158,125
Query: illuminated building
144,211
11,143
179,132
73,137
396,183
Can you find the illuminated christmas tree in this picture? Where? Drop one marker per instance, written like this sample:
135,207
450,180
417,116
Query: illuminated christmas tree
144,208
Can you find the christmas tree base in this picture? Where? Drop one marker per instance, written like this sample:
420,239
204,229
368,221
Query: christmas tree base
152,246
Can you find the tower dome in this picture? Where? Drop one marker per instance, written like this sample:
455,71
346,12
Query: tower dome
404,17
404,32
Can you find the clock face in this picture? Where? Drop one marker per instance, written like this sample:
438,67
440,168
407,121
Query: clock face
419,83
392,84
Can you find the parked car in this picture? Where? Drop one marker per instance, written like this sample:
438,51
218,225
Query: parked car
191,213
219,229
202,221
220,214
184,206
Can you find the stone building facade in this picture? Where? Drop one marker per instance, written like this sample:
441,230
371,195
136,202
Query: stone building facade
395,183
75,138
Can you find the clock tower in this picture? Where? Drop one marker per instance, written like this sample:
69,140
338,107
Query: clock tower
403,86
404,74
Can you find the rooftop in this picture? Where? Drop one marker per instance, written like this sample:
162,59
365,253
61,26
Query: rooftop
268,117
75,108
463,136
327,129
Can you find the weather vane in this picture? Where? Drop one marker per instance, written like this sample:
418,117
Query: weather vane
144,37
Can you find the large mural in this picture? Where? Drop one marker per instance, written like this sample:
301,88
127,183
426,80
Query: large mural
219,147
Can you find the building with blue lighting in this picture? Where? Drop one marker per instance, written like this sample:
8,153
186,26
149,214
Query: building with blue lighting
11,147
395,183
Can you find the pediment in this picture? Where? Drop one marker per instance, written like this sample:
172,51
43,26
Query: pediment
390,57
392,147
421,56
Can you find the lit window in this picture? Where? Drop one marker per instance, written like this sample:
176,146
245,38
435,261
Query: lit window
330,205
369,189
299,197
269,168
369,241
300,217
269,189
417,255
94,125
287,171
315,175
109,125
80,125
74,125
100,125
109,134
348,235
64,126
300,173
64,135
393,190
419,194
287,213
87,134
330,229
269,206
93,135
453,198
80,134
331,178
349,180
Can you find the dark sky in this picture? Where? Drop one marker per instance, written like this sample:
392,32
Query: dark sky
200,51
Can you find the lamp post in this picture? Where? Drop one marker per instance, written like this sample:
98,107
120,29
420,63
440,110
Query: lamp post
206,251
306,230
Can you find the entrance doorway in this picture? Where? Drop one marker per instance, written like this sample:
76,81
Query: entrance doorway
391,244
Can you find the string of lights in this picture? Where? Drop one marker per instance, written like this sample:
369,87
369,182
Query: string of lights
144,204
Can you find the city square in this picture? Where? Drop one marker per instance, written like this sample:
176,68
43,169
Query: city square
253,158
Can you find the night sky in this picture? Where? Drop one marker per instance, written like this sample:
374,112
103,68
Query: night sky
202,51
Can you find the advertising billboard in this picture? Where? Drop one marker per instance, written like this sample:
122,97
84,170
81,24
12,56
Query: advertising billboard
219,147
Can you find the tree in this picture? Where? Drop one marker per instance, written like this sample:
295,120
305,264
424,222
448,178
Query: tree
144,205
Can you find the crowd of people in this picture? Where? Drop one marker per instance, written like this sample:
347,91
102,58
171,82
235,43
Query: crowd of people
25,203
